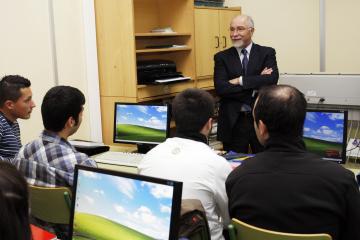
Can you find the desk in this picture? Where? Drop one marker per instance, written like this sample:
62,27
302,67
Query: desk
354,167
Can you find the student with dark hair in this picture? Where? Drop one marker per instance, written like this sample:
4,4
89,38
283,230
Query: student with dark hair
49,161
15,102
285,188
14,206
188,158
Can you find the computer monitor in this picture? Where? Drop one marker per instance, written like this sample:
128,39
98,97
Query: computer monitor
116,205
143,124
325,133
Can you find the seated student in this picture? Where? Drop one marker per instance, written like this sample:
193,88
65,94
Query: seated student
49,161
14,206
286,188
15,102
188,158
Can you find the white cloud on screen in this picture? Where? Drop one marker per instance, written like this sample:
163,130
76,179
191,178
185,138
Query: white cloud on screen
143,109
310,116
159,190
89,200
164,208
160,108
125,186
336,116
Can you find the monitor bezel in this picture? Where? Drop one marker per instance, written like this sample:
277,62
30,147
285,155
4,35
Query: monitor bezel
168,116
176,198
345,112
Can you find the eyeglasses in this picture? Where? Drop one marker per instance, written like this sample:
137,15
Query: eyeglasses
239,29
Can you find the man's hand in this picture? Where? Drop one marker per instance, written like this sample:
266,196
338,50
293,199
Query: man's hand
234,81
266,71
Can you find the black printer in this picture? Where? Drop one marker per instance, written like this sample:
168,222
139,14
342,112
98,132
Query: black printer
150,70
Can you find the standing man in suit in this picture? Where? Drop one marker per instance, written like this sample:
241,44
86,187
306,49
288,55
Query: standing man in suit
238,74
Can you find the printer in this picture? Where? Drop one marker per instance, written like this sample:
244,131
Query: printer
148,71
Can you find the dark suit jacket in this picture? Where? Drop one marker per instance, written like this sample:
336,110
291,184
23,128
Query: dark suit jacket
227,67
288,189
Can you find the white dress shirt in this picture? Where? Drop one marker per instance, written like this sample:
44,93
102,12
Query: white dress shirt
202,172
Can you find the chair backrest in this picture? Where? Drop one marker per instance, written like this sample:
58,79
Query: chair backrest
193,222
239,230
49,204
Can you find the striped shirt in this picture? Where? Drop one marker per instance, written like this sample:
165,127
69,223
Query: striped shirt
10,142
49,161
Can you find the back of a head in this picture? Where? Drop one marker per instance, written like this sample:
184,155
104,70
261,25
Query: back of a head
60,103
282,108
14,206
191,109
10,88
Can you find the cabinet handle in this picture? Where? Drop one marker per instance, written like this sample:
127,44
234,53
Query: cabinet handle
224,42
217,42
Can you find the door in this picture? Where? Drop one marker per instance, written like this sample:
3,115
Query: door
225,16
207,40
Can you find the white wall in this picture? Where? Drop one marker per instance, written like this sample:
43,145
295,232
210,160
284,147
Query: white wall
292,28
29,48
342,36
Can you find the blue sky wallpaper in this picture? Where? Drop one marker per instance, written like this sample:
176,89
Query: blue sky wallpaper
140,205
324,126
142,115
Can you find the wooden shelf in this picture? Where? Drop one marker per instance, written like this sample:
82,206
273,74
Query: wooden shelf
162,34
155,50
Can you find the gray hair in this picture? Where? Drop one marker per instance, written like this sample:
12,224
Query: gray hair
249,21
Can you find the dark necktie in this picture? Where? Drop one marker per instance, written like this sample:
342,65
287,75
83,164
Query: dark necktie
245,60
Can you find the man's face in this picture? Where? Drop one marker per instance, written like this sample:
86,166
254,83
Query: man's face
240,32
22,108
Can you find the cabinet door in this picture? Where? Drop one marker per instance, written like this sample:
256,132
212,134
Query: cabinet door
207,40
225,16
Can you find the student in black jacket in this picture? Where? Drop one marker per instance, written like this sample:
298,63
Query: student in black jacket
285,188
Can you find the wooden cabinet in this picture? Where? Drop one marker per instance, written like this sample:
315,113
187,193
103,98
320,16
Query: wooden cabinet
123,32
211,36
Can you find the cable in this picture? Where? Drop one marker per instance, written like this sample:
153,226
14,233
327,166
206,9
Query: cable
356,146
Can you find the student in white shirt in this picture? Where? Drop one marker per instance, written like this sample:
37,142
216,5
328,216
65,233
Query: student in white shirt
188,158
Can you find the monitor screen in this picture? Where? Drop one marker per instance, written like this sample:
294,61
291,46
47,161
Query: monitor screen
116,205
325,133
140,123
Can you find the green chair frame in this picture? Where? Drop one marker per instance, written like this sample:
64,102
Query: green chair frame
239,230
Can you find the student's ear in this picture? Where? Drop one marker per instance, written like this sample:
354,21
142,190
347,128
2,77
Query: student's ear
207,127
70,122
9,104
263,130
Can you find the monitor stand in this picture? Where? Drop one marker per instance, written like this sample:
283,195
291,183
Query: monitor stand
144,147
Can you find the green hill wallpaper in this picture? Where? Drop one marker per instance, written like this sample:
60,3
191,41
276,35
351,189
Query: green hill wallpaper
134,132
89,226
323,148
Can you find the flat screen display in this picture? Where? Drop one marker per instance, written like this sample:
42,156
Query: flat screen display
325,134
116,205
140,123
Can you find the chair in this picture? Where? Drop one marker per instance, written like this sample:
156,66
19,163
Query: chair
193,223
50,204
239,230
